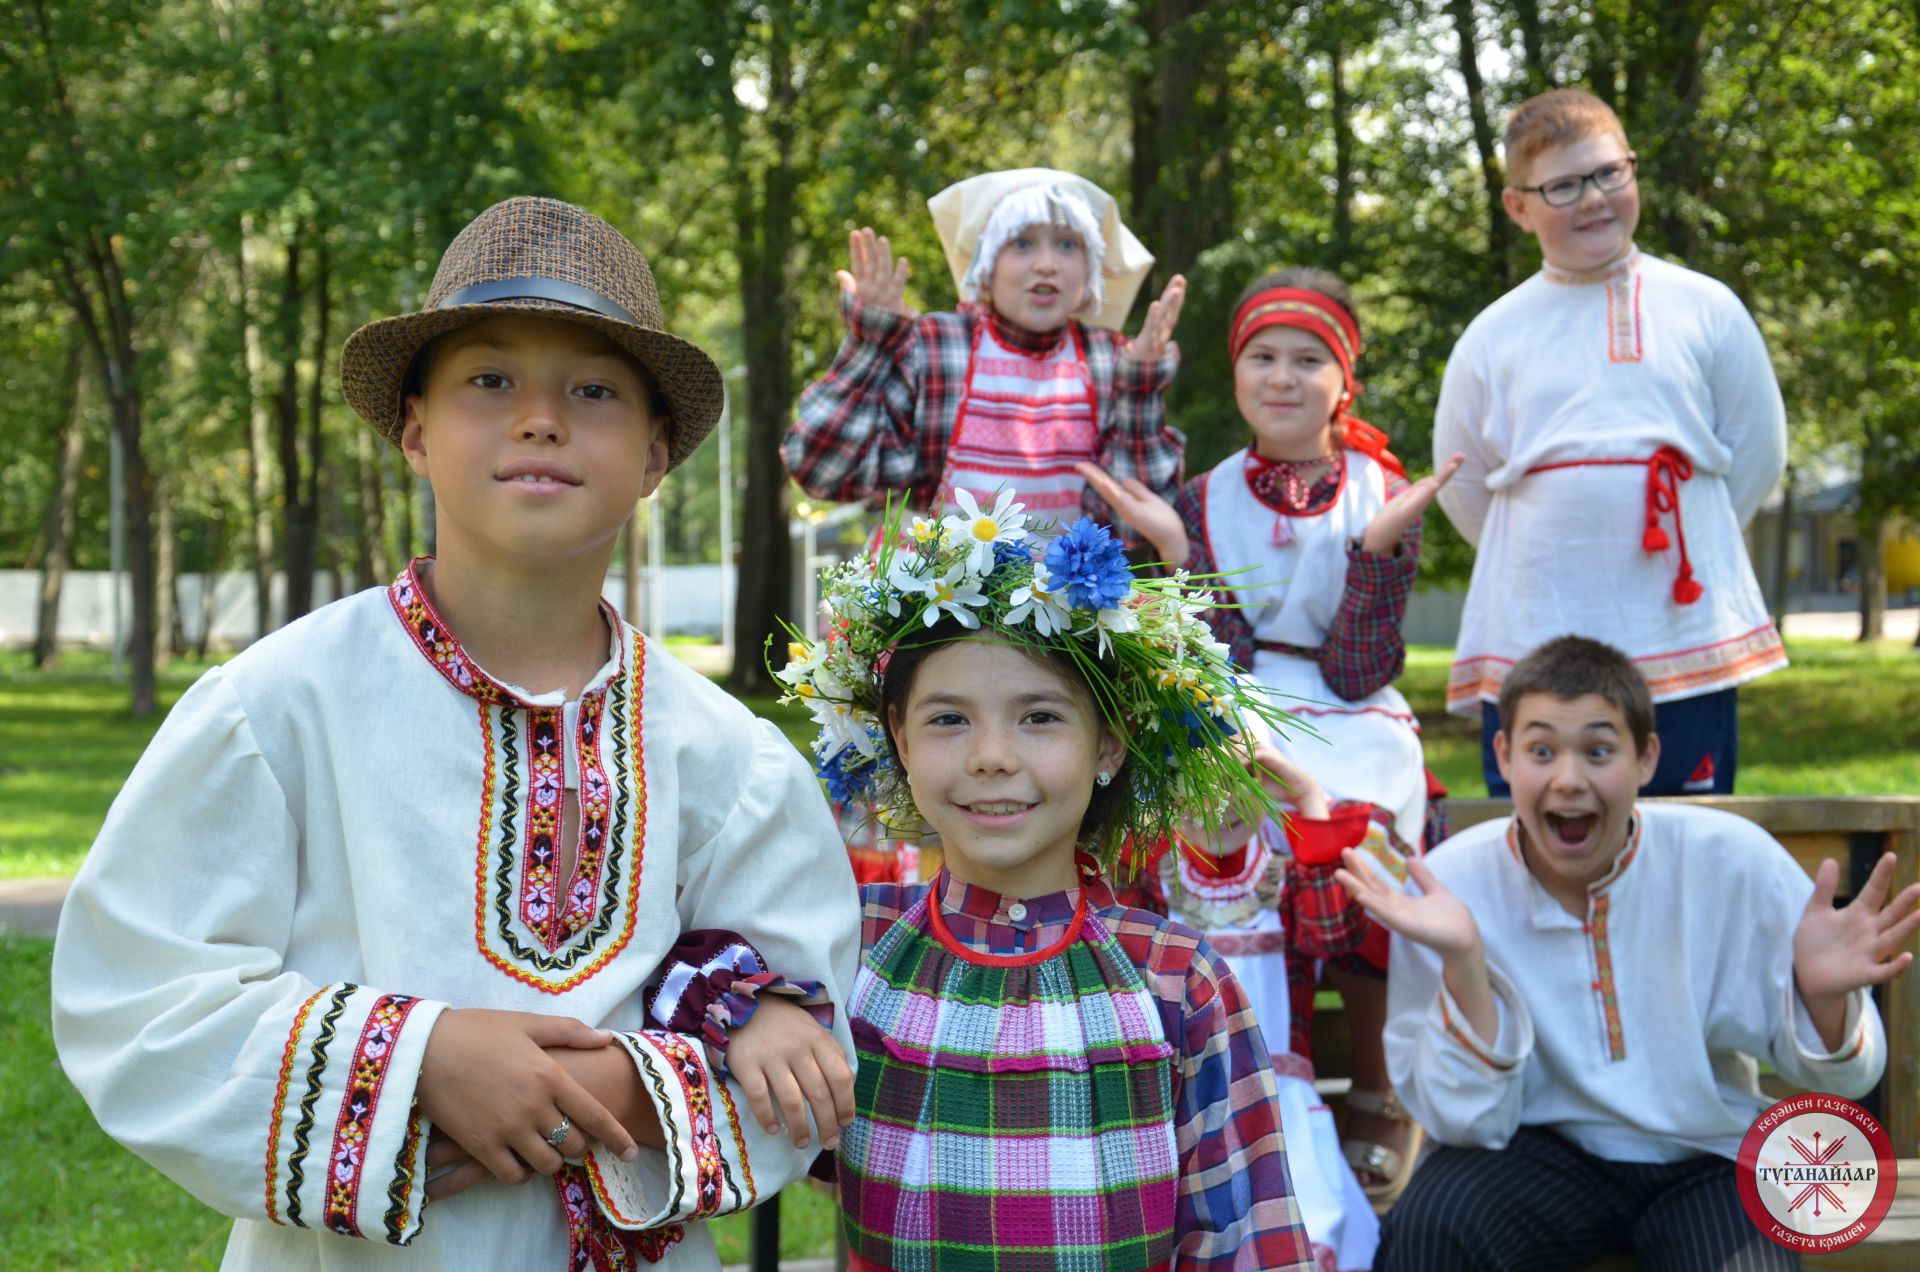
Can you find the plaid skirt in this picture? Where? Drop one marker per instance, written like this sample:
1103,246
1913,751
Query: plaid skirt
1014,1113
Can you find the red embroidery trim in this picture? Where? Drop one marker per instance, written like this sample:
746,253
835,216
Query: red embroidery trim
280,1100
368,1074
636,691
594,1243
1604,986
694,1087
546,796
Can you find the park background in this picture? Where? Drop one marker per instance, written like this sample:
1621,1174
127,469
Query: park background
199,199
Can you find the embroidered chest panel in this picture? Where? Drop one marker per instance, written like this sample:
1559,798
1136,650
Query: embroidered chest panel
530,923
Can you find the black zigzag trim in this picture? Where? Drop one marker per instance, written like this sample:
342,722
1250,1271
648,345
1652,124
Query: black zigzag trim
303,1128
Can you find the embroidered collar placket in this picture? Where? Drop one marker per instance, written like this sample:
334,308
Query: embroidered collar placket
1548,913
530,923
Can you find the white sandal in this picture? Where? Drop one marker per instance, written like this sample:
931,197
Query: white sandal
1393,1165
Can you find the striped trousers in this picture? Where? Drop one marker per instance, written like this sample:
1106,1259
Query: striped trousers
1543,1205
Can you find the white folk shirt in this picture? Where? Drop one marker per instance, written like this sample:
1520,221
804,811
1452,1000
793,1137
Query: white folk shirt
1567,368
1290,573
1633,1030
350,828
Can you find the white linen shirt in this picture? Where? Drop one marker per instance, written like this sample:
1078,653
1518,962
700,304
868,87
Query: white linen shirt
1567,369
348,829
1633,1031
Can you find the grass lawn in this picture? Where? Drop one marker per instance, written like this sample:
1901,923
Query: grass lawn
1843,720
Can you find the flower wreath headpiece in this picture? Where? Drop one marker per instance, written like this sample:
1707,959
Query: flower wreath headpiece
1156,671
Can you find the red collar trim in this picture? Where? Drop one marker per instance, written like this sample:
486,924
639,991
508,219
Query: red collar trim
440,647
1035,344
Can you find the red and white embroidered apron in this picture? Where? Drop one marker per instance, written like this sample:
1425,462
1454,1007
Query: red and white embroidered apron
1023,423
1367,750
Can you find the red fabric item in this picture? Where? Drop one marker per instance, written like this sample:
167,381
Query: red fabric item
1320,843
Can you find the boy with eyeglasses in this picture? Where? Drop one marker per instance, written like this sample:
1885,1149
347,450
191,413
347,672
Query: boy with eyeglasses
1621,423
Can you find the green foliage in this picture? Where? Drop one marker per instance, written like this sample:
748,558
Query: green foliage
1778,152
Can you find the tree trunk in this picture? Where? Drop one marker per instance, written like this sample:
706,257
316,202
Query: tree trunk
259,434
125,399
209,584
630,568
1342,153
370,545
765,248
1499,233
58,532
166,619
296,489
1675,53
1870,532
1533,55
1783,553
1182,175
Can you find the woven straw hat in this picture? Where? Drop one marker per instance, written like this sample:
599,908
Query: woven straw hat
545,257
961,211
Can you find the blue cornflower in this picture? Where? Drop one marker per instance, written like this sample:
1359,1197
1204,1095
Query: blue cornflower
1006,552
1090,565
844,787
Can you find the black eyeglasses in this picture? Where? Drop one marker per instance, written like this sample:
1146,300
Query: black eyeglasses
1564,192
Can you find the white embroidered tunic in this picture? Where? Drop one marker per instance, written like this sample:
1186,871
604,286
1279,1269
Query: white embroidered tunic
1366,750
1633,1030
348,829
1559,394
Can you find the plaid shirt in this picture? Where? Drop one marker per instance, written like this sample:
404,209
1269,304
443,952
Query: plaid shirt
1364,650
1236,1208
880,420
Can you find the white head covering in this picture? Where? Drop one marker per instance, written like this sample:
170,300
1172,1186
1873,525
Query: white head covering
976,217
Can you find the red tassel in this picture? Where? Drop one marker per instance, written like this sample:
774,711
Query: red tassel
1685,590
1655,539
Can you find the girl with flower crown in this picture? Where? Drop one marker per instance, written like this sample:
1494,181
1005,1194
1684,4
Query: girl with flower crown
1047,1078
1319,529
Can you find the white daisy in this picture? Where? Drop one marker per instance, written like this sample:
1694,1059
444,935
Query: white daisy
1048,609
1004,523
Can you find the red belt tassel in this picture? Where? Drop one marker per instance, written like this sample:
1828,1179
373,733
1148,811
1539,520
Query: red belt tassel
1668,467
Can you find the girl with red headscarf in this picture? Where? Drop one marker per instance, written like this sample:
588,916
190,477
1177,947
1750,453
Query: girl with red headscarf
1318,527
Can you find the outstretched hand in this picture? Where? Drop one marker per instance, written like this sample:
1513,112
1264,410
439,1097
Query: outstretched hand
877,278
1384,531
1156,331
1838,951
1436,918
1134,503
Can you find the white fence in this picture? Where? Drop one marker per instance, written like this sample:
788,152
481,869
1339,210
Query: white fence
691,597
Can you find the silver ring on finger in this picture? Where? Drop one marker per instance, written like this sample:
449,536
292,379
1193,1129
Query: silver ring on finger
558,1135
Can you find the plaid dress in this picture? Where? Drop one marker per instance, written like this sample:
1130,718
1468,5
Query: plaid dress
881,420
1047,1088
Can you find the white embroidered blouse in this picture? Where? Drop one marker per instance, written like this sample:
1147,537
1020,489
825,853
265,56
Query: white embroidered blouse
351,827
1633,1030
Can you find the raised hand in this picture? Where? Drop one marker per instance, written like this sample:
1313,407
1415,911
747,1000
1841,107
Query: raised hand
1156,332
488,1085
1140,508
876,278
1288,781
1436,918
1838,951
785,1063
1384,531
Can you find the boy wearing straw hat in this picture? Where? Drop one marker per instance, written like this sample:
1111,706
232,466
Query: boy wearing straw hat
367,927
1027,378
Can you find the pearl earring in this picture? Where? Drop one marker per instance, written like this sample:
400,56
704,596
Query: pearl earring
1103,777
